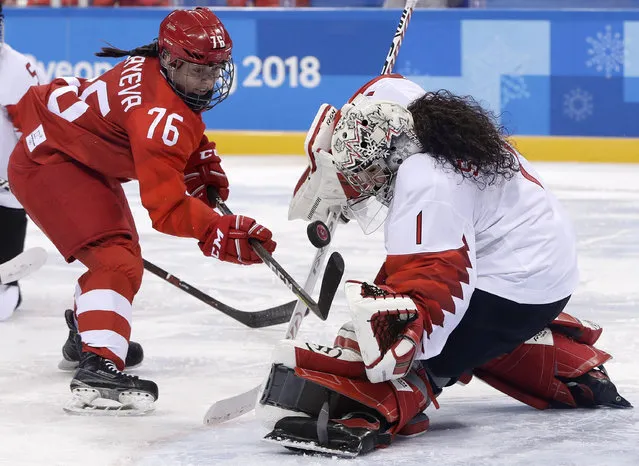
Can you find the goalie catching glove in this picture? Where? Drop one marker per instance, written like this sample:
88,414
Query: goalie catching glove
228,238
389,329
318,189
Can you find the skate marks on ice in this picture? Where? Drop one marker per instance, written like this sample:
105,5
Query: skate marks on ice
484,428
193,353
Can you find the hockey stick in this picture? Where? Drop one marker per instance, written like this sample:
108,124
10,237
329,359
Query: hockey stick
258,319
22,265
264,318
320,308
398,38
235,406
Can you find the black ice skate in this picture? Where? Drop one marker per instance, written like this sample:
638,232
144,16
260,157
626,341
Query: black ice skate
594,389
350,436
99,387
73,347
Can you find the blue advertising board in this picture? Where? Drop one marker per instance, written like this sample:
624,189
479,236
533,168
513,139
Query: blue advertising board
560,73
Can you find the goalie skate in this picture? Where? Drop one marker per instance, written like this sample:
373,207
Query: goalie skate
347,437
98,387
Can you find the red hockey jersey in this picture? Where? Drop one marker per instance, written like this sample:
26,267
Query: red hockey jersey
126,124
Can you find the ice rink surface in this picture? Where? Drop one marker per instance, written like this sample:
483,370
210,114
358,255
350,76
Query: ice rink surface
197,355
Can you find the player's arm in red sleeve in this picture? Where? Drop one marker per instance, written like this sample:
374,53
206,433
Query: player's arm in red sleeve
204,170
161,150
161,144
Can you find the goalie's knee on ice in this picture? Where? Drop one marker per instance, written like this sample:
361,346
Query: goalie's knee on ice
552,370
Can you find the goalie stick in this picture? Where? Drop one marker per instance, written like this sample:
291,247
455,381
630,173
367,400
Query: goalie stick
22,265
236,406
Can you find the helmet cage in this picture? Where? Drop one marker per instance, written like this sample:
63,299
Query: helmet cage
186,79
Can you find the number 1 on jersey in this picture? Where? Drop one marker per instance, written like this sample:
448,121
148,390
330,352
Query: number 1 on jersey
170,134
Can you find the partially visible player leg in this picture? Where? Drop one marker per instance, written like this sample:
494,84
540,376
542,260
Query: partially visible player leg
98,230
324,403
492,326
13,229
557,368
72,348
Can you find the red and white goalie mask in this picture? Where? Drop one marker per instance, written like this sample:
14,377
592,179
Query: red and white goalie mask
195,54
370,141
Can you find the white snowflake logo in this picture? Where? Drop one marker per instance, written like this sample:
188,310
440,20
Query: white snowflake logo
607,52
513,87
408,69
578,104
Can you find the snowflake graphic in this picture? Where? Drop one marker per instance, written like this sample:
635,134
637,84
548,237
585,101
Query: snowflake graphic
407,68
513,87
578,104
607,52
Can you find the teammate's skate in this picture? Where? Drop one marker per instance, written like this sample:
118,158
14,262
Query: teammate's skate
73,347
99,387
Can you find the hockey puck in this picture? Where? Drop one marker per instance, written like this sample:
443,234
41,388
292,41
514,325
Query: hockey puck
318,234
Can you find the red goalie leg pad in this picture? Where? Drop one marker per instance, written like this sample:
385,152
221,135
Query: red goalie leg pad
397,401
529,373
582,331
347,339
332,360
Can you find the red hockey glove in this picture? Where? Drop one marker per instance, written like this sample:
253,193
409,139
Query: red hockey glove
389,329
202,170
228,240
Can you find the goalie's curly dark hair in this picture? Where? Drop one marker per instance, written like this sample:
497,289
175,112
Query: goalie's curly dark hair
453,128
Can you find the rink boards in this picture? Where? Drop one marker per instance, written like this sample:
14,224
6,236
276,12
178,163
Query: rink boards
565,83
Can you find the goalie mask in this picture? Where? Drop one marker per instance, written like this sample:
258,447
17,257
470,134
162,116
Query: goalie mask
195,55
370,141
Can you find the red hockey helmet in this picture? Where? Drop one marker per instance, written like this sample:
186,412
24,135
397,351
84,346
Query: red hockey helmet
195,52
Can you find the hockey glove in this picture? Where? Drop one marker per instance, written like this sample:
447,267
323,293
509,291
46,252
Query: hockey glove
202,170
228,240
318,189
389,329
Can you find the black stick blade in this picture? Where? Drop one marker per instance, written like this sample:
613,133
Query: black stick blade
332,277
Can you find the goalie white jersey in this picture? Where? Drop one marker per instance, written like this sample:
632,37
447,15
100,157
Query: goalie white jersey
511,239
17,74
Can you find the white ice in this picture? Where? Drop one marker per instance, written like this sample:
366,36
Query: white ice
198,356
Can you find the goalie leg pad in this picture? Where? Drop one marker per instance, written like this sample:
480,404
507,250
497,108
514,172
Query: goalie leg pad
583,331
322,386
553,371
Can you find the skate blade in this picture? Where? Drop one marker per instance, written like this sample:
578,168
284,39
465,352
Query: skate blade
65,365
130,403
309,447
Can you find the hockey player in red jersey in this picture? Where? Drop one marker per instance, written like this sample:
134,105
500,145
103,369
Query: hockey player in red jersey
481,261
140,120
